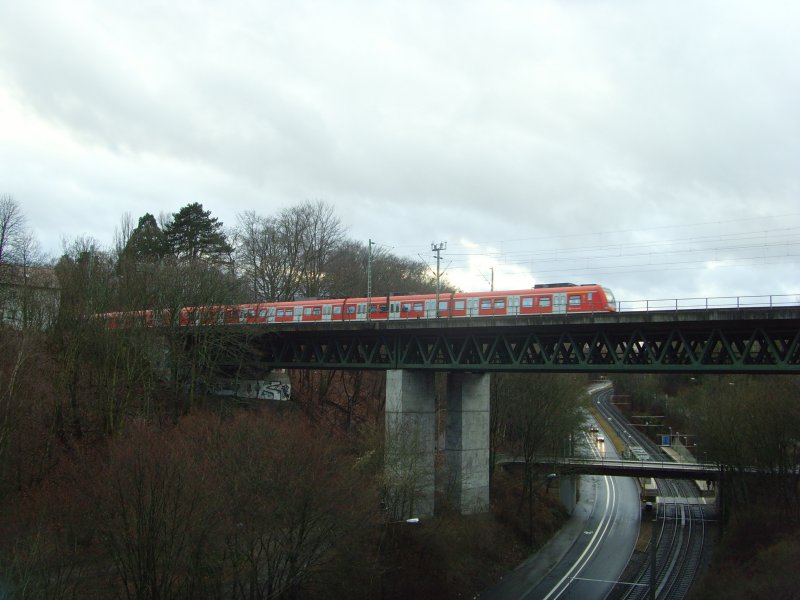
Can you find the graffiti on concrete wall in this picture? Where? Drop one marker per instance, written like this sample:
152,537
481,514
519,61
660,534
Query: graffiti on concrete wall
274,390
256,389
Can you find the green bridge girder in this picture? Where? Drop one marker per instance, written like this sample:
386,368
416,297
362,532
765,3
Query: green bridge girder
708,341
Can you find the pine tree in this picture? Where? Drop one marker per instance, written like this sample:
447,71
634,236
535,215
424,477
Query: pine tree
147,241
194,233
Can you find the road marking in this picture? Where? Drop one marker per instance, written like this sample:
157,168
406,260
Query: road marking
594,542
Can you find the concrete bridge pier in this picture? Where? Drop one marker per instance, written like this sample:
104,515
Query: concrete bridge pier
411,436
568,491
410,443
467,442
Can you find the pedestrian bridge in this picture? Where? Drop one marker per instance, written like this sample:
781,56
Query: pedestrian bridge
632,468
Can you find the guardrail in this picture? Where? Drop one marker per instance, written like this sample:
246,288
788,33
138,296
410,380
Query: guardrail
676,304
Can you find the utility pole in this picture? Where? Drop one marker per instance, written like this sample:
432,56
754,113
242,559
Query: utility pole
490,281
438,249
369,275
369,269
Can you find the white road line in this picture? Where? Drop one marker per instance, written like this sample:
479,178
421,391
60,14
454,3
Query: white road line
594,543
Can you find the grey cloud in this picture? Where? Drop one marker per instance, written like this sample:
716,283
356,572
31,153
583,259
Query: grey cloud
418,122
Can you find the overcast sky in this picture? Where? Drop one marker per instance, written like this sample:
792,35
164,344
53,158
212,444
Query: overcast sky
650,146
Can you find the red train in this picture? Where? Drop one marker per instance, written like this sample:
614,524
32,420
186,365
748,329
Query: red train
561,298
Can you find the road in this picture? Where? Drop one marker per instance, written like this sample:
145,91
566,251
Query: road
586,557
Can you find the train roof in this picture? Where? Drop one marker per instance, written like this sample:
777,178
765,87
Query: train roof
544,288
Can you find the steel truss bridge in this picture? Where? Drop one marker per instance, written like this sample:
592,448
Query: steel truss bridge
729,340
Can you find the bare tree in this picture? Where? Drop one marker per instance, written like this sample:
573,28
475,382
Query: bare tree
537,414
85,275
323,232
288,256
269,255
346,273
749,427
299,501
155,513
12,225
122,234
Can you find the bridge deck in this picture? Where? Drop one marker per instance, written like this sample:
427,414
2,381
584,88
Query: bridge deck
746,340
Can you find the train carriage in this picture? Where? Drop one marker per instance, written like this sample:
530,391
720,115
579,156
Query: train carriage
561,298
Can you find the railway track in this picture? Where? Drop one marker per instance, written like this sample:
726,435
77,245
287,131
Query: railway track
679,532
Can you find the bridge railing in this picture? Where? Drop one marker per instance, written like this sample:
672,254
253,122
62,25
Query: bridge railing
691,467
659,304
676,304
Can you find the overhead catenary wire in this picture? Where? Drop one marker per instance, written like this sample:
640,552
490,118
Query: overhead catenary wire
763,246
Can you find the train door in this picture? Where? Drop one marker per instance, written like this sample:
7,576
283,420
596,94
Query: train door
394,310
362,311
513,305
430,309
560,303
327,309
350,312
472,307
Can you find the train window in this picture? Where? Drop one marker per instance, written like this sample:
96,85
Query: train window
337,310
486,304
280,312
443,305
383,308
262,313
271,311
499,304
251,312
289,312
362,308
544,301
575,300
307,311
406,307
459,305
418,307
373,308
589,296
317,311
351,309
527,302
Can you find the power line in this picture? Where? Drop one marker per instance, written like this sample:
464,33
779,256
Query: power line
639,229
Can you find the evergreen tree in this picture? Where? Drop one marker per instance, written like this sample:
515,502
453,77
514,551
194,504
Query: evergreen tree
147,241
194,233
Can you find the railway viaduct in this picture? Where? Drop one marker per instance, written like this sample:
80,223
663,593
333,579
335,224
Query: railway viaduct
763,340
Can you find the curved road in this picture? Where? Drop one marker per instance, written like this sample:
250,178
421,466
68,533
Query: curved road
585,558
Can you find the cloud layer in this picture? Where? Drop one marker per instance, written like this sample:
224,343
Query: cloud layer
653,146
